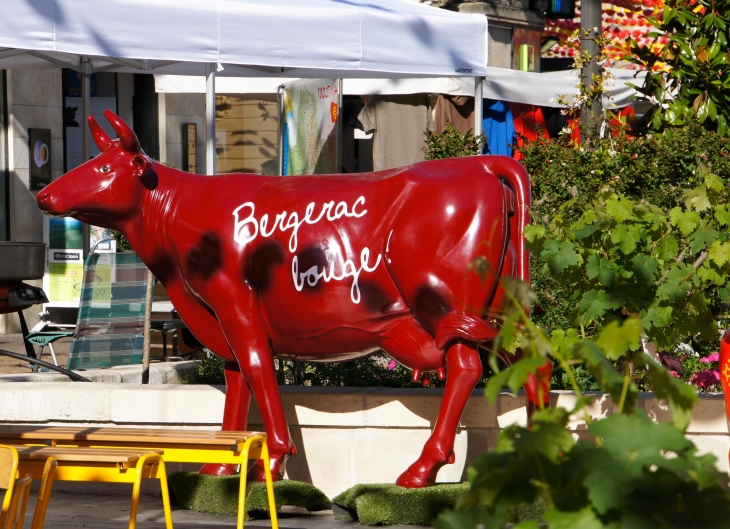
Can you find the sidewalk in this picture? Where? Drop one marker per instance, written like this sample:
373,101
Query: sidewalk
73,511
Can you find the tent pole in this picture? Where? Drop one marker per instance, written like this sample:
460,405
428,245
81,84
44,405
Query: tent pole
478,106
590,22
210,69
86,71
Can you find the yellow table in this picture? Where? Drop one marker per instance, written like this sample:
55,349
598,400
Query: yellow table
179,445
110,465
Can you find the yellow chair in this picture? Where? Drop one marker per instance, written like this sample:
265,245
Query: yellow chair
44,495
8,470
19,503
16,497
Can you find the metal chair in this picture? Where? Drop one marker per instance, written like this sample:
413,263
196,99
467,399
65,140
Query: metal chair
15,502
110,324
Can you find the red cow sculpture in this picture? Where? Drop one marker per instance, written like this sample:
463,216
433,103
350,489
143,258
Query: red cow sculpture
318,268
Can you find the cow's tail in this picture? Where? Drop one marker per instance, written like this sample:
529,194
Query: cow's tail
516,181
515,176
725,370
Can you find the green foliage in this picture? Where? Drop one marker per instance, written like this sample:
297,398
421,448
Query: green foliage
377,370
628,471
689,77
674,175
122,242
623,256
451,143
208,369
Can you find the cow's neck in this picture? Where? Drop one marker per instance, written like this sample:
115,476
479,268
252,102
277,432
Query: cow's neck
149,232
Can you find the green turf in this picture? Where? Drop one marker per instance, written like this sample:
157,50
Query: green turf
219,495
388,504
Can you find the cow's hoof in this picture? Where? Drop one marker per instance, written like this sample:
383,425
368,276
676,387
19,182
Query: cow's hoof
423,472
257,473
211,469
415,480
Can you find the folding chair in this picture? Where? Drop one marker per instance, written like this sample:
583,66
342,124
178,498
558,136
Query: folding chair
19,503
110,325
8,470
44,495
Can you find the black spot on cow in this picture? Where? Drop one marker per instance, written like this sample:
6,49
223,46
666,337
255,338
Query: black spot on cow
207,257
373,297
430,307
313,256
264,260
149,179
163,266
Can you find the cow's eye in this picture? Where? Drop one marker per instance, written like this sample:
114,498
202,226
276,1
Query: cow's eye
105,168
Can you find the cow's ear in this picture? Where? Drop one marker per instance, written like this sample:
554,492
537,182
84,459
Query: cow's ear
140,165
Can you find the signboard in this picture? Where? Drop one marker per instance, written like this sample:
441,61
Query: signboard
310,132
65,259
40,158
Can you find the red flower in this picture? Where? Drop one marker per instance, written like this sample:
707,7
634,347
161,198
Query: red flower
706,379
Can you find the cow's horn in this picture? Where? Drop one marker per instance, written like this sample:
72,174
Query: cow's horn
126,134
102,139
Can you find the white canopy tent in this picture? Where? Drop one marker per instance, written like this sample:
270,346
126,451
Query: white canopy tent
242,38
541,89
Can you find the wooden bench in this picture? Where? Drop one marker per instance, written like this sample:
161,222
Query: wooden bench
179,445
110,465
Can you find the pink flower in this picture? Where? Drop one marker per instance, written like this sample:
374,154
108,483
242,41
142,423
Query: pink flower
392,365
705,379
674,373
714,357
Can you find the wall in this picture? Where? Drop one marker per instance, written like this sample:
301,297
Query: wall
34,101
344,436
184,108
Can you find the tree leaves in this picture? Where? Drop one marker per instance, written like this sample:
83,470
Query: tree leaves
559,255
686,221
617,339
594,304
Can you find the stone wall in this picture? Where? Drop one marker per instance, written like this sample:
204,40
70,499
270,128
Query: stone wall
344,436
34,101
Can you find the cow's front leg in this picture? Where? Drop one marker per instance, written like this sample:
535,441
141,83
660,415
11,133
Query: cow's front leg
463,371
235,413
245,332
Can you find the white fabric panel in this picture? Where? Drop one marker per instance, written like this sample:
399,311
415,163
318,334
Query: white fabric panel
531,88
387,38
194,84
544,89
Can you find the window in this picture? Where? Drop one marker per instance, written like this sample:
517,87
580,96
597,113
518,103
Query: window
246,135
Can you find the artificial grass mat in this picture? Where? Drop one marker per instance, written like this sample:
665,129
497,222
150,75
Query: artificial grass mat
388,504
219,495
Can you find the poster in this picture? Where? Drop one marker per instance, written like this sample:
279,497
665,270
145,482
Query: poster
65,260
40,158
310,131
65,234
64,281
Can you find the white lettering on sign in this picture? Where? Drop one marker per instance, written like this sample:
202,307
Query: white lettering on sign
312,276
247,228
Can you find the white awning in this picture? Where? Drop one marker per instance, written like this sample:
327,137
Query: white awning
541,89
260,38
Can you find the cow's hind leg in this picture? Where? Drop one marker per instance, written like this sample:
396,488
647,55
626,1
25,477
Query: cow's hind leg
235,413
463,371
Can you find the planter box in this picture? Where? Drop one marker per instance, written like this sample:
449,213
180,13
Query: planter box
344,436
